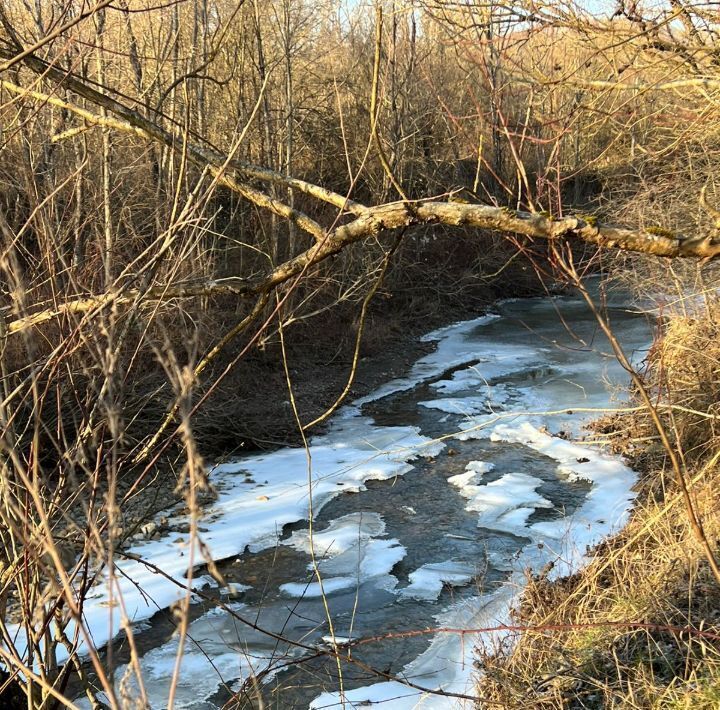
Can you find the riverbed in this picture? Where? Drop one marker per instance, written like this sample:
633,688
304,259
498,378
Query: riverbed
431,498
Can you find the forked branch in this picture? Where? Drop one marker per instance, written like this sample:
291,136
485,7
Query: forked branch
384,220
374,221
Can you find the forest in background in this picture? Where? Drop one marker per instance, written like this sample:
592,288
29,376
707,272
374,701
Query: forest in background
205,202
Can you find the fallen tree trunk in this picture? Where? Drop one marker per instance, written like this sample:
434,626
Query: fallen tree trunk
365,221
386,219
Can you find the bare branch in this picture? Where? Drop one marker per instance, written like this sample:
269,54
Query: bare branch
712,211
388,218
150,131
672,85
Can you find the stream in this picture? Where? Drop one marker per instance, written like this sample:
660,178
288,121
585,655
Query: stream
431,497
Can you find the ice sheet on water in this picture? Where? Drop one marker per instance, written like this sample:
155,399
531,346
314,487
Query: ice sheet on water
328,586
367,560
347,555
448,663
199,675
258,495
426,582
454,348
214,652
497,361
504,504
339,536
474,471
495,398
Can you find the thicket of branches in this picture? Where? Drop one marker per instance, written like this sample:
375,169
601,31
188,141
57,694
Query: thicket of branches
175,177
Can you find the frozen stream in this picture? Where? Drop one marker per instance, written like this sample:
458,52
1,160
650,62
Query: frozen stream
410,531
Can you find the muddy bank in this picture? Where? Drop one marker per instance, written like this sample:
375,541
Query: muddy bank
250,410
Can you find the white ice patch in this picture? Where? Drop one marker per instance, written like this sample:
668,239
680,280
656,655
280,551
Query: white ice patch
500,360
370,560
504,504
199,675
336,640
346,555
205,582
474,471
316,589
234,589
341,535
454,348
252,515
466,406
426,582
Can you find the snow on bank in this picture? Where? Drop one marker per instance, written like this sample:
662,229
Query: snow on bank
258,495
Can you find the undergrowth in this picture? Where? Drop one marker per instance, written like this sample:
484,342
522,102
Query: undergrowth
639,627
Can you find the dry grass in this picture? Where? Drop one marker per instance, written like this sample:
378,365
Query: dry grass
89,209
641,624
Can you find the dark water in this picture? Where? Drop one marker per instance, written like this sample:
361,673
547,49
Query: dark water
569,366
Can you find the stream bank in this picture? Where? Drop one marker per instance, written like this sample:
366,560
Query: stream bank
431,497
639,626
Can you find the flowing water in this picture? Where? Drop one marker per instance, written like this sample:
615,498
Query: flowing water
431,497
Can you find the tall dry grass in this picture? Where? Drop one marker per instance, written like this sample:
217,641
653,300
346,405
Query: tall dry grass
639,627
85,211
